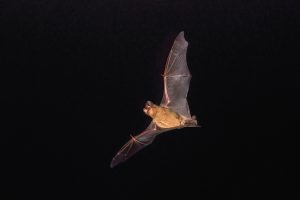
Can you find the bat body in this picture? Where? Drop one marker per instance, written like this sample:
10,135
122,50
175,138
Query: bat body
173,111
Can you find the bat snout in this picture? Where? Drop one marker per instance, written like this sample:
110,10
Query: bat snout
145,110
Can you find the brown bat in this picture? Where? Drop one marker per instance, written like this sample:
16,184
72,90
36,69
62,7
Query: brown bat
173,111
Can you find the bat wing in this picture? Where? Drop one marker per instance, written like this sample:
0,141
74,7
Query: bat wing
136,143
177,78
176,85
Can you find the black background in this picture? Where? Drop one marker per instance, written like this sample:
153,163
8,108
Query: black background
77,75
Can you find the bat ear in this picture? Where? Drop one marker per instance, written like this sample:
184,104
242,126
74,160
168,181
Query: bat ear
149,103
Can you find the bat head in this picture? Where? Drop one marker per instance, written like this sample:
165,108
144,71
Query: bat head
150,109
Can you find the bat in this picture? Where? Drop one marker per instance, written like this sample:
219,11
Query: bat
173,111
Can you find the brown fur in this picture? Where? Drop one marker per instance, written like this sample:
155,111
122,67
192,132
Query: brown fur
164,117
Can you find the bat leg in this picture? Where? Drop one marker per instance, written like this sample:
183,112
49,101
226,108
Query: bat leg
192,122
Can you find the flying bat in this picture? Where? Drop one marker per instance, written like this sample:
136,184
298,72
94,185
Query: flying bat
173,111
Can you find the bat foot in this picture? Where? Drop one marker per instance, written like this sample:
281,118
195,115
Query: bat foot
192,122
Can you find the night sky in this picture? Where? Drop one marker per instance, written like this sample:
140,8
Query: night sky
78,73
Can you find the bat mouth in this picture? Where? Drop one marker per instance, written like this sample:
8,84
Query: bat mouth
145,111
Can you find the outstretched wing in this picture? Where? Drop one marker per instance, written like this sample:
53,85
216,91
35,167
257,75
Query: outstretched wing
177,78
137,143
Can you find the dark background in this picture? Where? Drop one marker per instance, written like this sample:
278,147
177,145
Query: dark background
77,75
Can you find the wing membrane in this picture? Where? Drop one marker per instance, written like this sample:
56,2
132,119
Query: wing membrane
177,78
137,143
